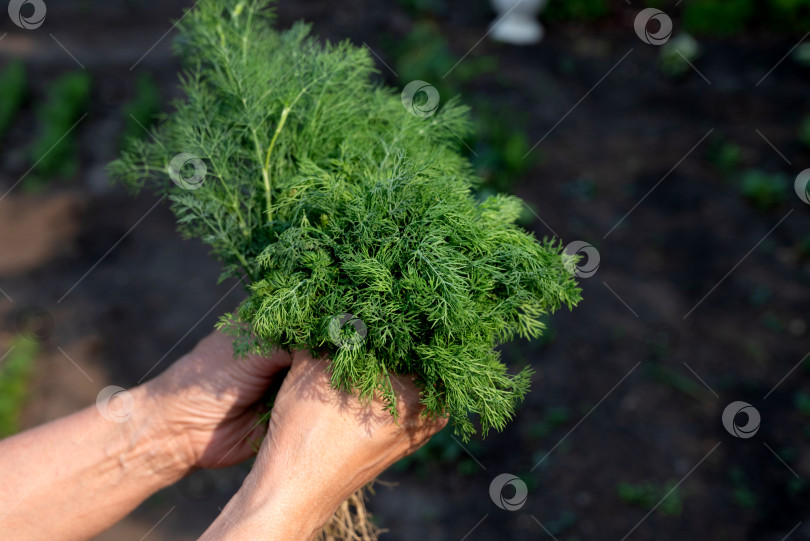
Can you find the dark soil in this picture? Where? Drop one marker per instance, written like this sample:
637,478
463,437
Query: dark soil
700,299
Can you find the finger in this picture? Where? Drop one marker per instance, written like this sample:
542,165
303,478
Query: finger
254,364
262,365
257,364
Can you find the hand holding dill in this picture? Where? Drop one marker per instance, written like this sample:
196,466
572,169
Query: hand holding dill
352,222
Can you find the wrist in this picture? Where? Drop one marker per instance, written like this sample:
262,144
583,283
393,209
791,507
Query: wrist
267,512
294,497
151,443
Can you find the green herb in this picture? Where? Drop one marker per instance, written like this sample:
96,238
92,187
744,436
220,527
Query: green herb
352,219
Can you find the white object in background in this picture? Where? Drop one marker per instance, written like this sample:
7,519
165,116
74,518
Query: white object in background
517,21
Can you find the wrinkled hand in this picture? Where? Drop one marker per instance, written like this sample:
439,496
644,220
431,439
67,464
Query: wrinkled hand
329,438
209,400
321,446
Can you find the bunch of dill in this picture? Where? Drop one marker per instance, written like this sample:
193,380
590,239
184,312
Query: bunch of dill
351,220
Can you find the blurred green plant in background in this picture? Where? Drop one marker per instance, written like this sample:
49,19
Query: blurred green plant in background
672,378
417,8
500,142
725,156
500,148
555,417
803,248
424,54
55,150
142,111
801,400
580,10
790,14
13,89
15,374
676,54
647,494
764,190
732,17
717,17
741,493
802,55
442,450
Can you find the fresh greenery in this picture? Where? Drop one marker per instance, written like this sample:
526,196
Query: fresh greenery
764,190
15,373
141,112
346,212
55,151
13,87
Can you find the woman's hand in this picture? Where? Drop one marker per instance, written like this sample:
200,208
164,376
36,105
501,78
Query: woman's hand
209,401
321,446
84,472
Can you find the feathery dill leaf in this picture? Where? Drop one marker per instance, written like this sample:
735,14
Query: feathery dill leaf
332,199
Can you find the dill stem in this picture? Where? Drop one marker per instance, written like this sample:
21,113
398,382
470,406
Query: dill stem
266,169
